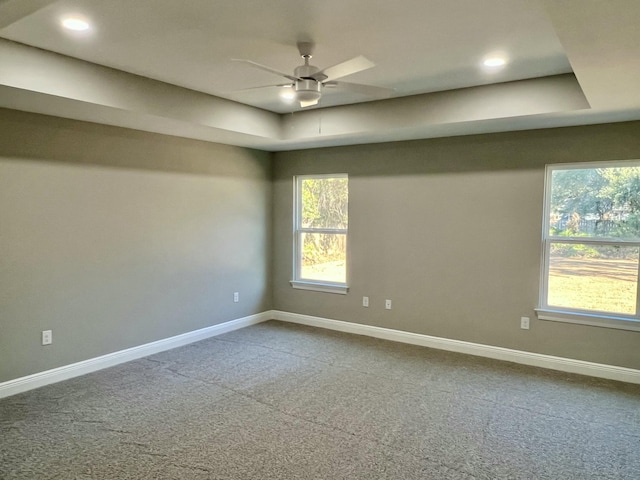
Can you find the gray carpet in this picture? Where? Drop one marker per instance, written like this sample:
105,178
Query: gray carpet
281,401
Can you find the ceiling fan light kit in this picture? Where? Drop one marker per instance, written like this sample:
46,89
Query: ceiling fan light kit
308,91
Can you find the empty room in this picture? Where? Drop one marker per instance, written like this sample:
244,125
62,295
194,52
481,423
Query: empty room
349,239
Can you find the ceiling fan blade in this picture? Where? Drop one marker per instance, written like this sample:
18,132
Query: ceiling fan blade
263,87
369,90
343,69
266,69
309,103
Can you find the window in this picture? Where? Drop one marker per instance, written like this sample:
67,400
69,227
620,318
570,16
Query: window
591,242
320,232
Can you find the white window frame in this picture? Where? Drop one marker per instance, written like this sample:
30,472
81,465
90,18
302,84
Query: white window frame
574,315
298,231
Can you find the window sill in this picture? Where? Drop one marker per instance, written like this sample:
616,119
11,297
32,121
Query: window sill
588,319
320,287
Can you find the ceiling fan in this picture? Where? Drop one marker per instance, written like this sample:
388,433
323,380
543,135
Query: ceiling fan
308,81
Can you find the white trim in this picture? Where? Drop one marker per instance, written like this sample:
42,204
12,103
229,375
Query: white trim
320,287
329,231
611,372
598,164
40,379
586,319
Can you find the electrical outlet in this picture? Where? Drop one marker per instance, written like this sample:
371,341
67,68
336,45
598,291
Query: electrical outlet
524,323
365,301
236,297
387,304
47,337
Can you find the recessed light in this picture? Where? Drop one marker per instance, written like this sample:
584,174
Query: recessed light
76,24
494,62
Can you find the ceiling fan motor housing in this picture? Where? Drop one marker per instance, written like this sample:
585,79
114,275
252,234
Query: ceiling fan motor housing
306,70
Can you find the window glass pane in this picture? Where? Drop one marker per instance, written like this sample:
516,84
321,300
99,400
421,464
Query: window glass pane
593,277
324,257
596,202
324,203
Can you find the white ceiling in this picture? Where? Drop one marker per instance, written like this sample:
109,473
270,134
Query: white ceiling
419,47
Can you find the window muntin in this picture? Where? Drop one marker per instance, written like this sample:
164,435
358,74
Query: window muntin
320,229
592,241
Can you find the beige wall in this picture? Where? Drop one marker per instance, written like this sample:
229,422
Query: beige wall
114,238
449,230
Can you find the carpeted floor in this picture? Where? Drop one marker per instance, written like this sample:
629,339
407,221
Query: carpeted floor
281,401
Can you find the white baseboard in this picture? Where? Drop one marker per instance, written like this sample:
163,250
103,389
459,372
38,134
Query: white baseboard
611,372
40,379
562,364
